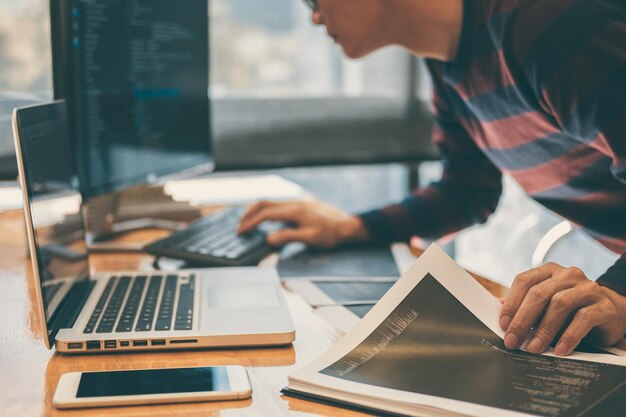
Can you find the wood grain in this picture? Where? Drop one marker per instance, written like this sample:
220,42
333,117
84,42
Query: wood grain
29,372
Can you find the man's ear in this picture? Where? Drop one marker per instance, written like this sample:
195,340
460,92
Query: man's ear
317,18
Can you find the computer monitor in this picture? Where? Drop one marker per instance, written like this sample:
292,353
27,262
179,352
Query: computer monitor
137,78
59,43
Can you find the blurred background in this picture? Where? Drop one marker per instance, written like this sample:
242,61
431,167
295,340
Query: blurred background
272,74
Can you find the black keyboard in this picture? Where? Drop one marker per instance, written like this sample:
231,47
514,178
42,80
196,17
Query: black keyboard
213,240
144,303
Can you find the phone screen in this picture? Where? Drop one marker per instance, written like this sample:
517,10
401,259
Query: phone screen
154,381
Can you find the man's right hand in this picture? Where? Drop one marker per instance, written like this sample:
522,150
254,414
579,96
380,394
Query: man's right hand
314,223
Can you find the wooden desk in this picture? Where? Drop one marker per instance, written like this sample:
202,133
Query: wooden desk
29,372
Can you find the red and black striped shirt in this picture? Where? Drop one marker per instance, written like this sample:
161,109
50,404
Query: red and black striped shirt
537,91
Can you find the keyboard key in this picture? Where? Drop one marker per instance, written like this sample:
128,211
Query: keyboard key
146,316
215,238
95,315
218,253
164,319
113,308
184,311
132,305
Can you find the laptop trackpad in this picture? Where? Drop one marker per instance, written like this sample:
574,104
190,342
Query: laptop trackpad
246,297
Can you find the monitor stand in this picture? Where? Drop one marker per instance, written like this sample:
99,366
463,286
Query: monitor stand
146,207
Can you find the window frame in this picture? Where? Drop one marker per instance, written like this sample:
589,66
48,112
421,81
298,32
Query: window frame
264,133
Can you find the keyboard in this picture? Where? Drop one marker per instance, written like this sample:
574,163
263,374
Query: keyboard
144,303
213,240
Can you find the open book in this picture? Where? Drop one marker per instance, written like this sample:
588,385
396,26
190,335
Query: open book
432,346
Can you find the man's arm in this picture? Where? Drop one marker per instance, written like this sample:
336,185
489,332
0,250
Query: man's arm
587,98
467,194
580,81
615,277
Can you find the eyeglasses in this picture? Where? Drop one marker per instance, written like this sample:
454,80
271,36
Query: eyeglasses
312,4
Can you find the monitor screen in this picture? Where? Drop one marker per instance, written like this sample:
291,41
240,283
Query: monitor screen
53,206
59,42
138,96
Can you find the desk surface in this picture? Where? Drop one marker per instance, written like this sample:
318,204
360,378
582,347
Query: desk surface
29,372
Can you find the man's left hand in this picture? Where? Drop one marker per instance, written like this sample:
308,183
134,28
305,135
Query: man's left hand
555,299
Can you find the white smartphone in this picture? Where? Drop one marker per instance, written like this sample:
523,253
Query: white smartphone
151,386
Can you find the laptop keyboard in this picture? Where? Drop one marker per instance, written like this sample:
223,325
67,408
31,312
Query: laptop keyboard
132,302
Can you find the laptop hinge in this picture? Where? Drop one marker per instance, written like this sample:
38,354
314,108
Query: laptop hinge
66,314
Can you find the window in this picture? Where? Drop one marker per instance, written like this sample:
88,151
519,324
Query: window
25,69
24,46
504,246
270,48
284,95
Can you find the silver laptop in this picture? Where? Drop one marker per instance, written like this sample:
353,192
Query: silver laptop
133,310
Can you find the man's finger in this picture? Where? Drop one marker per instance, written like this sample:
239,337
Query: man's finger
584,321
531,309
561,306
522,284
256,208
284,236
276,211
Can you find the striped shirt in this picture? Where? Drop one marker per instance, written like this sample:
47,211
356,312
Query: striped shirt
537,91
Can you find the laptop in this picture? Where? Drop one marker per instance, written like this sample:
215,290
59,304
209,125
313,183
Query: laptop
83,312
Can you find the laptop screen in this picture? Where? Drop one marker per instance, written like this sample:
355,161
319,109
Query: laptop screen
52,206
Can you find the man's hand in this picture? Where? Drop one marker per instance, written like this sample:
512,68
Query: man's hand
315,223
549,297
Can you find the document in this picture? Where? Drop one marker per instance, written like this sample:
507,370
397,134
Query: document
617,350
433,346
234,190
10,198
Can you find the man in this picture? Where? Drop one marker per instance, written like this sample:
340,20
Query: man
533,88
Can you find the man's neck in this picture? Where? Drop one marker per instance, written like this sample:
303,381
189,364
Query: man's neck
428,28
